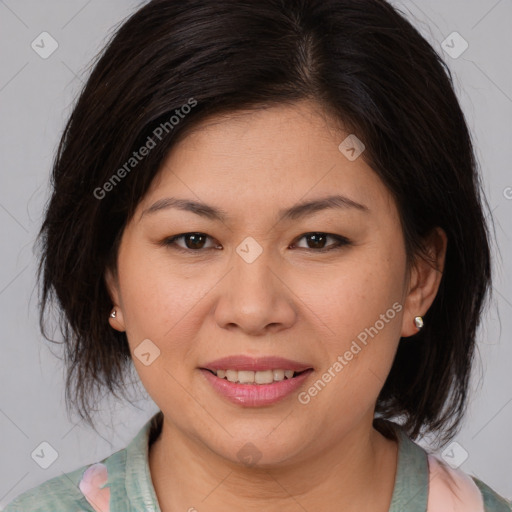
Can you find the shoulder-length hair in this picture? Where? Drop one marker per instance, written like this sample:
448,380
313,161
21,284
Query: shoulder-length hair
367,66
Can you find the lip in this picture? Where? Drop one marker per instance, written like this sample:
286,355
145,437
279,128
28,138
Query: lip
255,395
242,362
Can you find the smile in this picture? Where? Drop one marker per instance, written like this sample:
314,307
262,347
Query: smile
258,377
264,387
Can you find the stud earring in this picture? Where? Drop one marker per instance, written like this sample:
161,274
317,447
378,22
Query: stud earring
113,314
418,321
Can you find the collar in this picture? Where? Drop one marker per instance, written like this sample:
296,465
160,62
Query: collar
138,483
412,475
410,491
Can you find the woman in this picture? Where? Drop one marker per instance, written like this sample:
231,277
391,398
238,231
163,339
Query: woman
272,210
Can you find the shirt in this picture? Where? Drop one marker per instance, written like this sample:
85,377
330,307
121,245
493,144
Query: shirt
122,482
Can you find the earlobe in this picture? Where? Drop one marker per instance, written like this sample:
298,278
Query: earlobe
116,319
116,316
426,277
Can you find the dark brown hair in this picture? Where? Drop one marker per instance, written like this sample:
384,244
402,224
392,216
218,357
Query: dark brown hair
366,65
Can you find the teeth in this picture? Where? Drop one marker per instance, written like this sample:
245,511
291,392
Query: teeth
232,375
263,377
250,377
245,377
278,374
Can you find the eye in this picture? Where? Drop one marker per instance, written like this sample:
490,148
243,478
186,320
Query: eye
193,241
318,240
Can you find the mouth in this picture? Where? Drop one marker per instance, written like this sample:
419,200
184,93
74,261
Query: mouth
256,381
256,378
260,388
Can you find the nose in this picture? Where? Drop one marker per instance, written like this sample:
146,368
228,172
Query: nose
255,298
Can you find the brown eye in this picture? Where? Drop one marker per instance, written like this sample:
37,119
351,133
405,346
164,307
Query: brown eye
317,241
192,241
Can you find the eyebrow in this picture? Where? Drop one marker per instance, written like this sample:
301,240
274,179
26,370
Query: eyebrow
295,212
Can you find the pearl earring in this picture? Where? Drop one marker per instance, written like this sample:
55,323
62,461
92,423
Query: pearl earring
418,321
113,314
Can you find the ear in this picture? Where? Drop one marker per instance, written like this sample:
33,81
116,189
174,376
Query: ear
112,285
425,277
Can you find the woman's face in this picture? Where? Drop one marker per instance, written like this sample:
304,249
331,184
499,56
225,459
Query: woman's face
255,282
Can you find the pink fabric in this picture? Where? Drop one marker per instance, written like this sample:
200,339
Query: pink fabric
92,485
451,490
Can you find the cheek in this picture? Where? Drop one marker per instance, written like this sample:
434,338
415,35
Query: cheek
153,299
362,310
158,305
352,295
361,306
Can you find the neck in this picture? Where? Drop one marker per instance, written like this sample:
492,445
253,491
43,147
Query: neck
355,473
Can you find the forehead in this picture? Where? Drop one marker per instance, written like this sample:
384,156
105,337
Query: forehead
262,123
280,155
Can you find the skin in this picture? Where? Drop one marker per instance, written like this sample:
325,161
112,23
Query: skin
292,301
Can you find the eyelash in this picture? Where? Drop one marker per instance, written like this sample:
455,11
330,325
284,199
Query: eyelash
341,241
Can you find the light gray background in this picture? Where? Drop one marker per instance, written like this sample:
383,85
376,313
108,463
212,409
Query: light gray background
36,96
